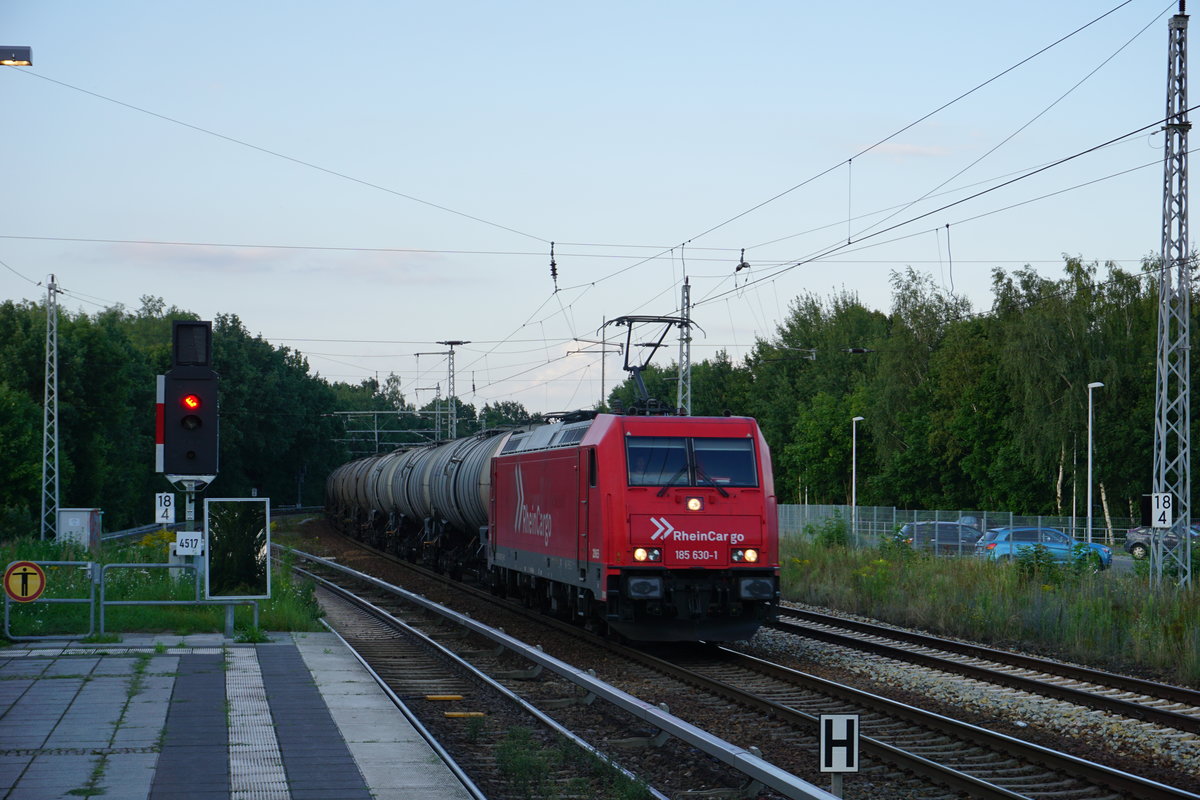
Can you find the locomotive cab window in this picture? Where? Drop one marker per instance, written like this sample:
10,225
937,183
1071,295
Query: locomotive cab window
681,461
657,460
725,462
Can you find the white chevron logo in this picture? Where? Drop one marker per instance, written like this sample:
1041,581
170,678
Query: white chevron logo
662,528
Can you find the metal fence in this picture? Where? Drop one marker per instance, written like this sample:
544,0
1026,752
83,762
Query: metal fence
867,524
276,512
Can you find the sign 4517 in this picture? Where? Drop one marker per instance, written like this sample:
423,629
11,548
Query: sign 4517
189,543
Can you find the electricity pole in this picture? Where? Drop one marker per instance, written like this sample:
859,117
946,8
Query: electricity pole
450,396
683,392
49,523
1172,445
452,403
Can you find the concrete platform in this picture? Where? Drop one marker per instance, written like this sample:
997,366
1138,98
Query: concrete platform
202,717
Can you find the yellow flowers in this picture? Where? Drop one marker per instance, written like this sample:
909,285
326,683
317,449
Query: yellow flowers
158,540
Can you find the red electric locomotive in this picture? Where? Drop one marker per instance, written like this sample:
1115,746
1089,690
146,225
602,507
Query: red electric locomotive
662,527
668,524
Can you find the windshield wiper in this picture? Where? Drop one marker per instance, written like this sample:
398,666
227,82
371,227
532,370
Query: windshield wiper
702,475
682,470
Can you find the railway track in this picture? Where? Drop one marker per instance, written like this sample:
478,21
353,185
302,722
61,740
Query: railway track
500,746
1173,707
507,672
905,749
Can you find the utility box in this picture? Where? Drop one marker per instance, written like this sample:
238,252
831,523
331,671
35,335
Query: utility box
80,525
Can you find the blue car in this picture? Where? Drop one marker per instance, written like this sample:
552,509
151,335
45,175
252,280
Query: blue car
1000,543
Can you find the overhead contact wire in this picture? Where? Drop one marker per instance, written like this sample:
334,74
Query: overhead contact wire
285,157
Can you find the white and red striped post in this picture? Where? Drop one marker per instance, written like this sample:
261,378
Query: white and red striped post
159,419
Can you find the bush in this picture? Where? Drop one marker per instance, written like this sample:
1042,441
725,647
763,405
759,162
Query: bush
895,546
831,532
1037,563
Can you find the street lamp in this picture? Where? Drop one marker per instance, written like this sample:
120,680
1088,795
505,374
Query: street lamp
11,56
1090,386
854,475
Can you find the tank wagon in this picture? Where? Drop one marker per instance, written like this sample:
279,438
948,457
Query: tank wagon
661,528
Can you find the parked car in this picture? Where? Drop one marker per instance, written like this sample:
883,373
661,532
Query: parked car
1008,542
941,537
1140,541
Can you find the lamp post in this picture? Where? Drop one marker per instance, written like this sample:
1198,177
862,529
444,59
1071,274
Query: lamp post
16,56
1090,387
854,476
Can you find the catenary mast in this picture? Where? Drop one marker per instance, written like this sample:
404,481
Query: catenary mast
1172,446
49,518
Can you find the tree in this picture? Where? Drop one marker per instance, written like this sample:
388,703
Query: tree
503,413
810,358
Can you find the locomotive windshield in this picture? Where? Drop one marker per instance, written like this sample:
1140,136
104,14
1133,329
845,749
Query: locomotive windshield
688,461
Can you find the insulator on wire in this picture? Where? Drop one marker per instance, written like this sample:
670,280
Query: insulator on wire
741,262
553,268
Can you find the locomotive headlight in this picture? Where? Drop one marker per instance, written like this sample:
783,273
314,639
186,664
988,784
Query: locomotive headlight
695,504
751,556
745,555
647,554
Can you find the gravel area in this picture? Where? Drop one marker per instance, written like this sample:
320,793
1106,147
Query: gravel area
1168,755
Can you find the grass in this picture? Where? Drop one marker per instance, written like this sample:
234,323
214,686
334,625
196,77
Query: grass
291,607
1108,620
528,768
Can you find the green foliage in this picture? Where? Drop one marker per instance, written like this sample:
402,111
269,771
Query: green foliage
292,606
1036,562
503,413
833,531
896,547
272,412
962,410
1111,620
251,635
1084,559
523,763
237,549
475,728
528,766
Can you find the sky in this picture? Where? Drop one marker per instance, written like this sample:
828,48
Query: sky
359,181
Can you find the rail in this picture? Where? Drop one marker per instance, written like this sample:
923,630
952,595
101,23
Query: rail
740,759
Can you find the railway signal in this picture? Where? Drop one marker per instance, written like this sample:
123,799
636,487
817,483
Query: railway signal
189,422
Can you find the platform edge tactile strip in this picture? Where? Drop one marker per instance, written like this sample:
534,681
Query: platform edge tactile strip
255,762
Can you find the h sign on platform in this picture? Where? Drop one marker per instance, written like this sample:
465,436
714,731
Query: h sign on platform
839,742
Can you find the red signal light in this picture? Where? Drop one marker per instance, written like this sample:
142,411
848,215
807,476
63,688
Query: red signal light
190,402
